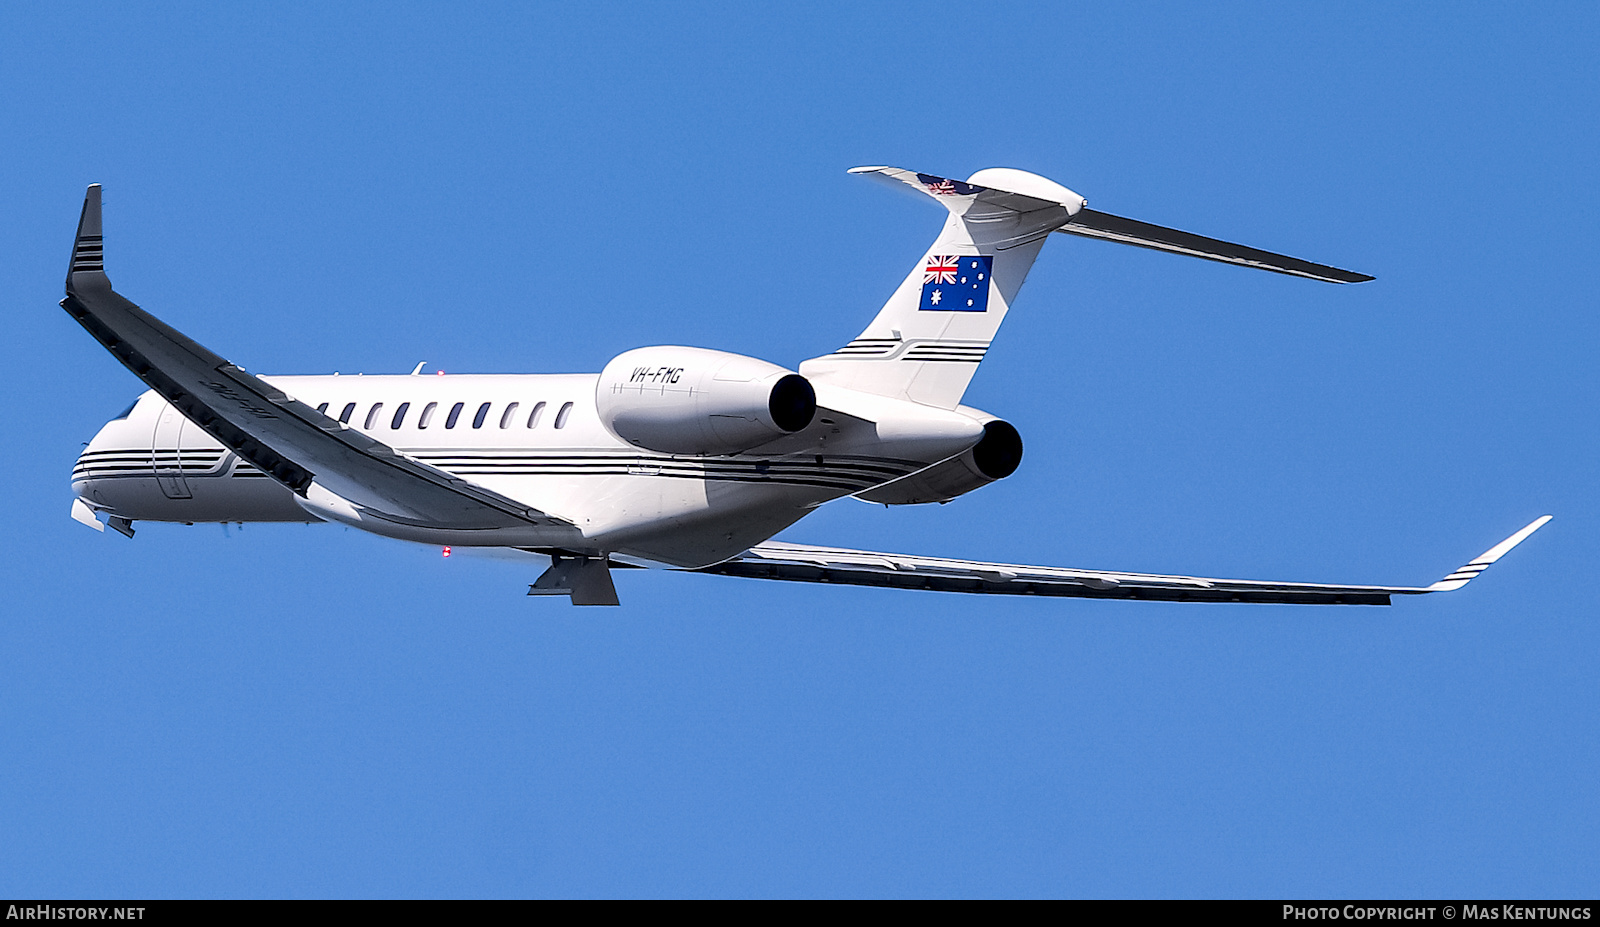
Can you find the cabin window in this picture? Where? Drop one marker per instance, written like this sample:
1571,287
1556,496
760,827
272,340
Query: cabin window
561,417
508,414
349,410
126,412
323,409
483,413
400,415
372,415
427,414
455,413
533,417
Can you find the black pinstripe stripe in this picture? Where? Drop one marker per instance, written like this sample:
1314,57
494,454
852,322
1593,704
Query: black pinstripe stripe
851,474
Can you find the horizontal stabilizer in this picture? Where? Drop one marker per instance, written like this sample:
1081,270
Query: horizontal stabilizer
1092,223
1035,193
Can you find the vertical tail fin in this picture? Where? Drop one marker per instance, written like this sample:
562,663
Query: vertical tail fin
926,342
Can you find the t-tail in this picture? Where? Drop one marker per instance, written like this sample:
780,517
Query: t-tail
928,339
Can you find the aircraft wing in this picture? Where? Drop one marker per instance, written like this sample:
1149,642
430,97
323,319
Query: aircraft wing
285,438
809,564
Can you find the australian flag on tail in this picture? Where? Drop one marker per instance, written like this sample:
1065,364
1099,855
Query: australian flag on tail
956,283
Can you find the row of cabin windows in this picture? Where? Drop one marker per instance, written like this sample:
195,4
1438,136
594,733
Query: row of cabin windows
508,416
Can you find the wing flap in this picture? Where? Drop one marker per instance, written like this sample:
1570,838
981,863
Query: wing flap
283,437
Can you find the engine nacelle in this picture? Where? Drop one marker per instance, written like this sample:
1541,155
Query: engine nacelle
679,400
996,456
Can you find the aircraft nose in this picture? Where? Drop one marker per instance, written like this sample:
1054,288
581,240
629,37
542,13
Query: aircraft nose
120,448
83,471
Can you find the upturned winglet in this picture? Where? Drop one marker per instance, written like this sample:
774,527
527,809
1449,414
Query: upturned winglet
1466,573
88,266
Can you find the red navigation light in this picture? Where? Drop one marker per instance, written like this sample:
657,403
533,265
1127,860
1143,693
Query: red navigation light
439,372
447,551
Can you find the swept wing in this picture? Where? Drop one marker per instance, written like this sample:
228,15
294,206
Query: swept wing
809,564
285,438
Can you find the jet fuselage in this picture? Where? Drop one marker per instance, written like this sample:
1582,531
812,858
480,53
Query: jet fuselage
533,438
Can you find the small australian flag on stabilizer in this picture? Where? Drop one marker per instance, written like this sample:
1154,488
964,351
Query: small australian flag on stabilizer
956,283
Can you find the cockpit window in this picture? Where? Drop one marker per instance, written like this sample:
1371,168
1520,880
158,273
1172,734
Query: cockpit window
126,412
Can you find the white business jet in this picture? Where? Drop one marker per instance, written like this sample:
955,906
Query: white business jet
676,457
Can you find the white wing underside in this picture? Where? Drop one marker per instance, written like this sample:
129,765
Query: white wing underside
807,563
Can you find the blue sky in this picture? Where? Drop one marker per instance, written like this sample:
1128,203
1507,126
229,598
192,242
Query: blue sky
309,711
